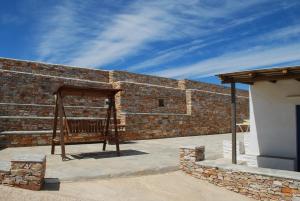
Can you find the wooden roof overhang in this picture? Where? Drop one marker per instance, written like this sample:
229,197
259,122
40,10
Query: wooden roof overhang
251,76
68,90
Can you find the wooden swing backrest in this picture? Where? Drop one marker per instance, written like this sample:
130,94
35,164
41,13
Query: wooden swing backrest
88,126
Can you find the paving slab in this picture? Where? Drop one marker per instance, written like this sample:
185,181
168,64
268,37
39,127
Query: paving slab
142,157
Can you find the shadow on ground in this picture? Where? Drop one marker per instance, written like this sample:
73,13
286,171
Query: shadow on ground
106,154
51,184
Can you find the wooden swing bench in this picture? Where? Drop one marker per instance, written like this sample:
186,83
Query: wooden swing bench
106,128
88,126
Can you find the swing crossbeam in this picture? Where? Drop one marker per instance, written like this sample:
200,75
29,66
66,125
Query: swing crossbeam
107,127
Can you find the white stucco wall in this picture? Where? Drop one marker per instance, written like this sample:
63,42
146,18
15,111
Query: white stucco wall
273,118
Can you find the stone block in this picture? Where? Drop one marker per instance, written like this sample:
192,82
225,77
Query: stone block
26,171
192,153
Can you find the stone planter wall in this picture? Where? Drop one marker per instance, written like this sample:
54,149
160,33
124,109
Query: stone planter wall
257,183
26,171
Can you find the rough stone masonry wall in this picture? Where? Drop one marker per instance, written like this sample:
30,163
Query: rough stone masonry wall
189,84
24,171
27,103
191,108
201,113
211,111
116,76
143,98
257,183
44,138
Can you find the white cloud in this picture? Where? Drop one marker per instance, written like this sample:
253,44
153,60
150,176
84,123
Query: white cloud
268,54
126,35
235,61
173,53
182,50
71,35
285,33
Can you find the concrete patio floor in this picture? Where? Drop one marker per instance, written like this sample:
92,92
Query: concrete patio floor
137,157
174,186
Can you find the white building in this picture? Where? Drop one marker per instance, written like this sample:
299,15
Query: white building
274,115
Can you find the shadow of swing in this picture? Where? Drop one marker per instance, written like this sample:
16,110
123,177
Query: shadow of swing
106,154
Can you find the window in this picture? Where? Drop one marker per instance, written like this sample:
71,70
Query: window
161,103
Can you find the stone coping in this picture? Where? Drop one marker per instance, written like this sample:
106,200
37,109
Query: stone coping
27,132
36,158
5,166
190,146
52,64
217,93
44,105
252,170
48,117
149,113
54,76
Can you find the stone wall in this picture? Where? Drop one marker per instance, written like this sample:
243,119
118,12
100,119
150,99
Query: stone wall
190,107
24,171
257,183
27,103
189,84
138,78
34,138
187,112
51,70
149,126
211,111
143,98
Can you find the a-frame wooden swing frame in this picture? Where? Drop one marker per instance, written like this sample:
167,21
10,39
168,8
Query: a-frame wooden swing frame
66,126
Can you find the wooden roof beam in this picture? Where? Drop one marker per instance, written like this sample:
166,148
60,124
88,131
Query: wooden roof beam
261,77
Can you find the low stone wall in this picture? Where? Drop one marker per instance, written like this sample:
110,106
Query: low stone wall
24,171
257,183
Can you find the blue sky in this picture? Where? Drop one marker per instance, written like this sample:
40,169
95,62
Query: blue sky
193,39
